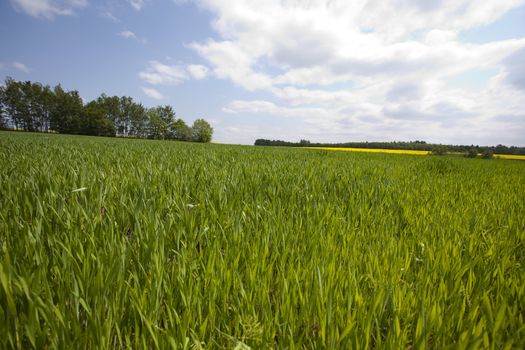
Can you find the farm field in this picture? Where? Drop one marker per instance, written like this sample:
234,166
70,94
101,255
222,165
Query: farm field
401,151
373,150
116,243
510,156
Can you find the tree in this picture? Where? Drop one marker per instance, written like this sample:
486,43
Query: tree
472,152
66,111
28,106
3,115
131,118
167,115
487,154
110,107
180,130
46,101
439,150
202,131
160,120
501,149
13,103
35,107
38,101
94,121
304,143
157,127
123,119
138,120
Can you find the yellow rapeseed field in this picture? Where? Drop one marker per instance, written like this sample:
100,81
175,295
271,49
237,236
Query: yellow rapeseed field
402,151
374,150
509,156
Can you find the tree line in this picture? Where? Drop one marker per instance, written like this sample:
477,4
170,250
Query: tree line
403,145
29,106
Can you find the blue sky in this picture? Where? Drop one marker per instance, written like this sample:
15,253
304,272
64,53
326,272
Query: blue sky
329,71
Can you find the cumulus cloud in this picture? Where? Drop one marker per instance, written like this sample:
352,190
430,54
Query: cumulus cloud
127,34
152,93
515,69
48,8
234,62
108,15
379,66
21,67
197,71
136,4
162,74
159,73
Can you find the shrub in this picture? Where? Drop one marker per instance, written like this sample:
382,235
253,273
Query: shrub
487,154
471,153
439,150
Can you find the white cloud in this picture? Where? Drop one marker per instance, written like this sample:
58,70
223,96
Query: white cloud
197,71
515,69
233,62
162,74
48,8
136,4
21,67
397,18
159,73
152,93
255,106
127,34
380,67
108,15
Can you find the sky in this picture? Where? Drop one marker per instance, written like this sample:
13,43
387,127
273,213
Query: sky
443,71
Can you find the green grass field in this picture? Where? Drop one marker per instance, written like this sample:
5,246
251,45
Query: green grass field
115,243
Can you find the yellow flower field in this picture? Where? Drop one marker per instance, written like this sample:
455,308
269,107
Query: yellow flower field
510,156
402,151
374,150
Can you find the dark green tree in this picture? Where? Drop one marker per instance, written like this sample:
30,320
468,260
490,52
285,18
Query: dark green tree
28,105
33,107
304,143
202,131
66,111
38,101
94,121
46,101
167,114
3,114
131,118
111,107
180,130
138,120
439,150
157,127
487,153
471,152
14,105
160,119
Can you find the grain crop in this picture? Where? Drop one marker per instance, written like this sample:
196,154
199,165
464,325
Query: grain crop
115,243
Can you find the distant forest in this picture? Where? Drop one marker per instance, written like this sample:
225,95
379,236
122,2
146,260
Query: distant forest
34,107
410,145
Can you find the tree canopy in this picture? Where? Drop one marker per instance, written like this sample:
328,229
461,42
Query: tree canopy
34,107
202,131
